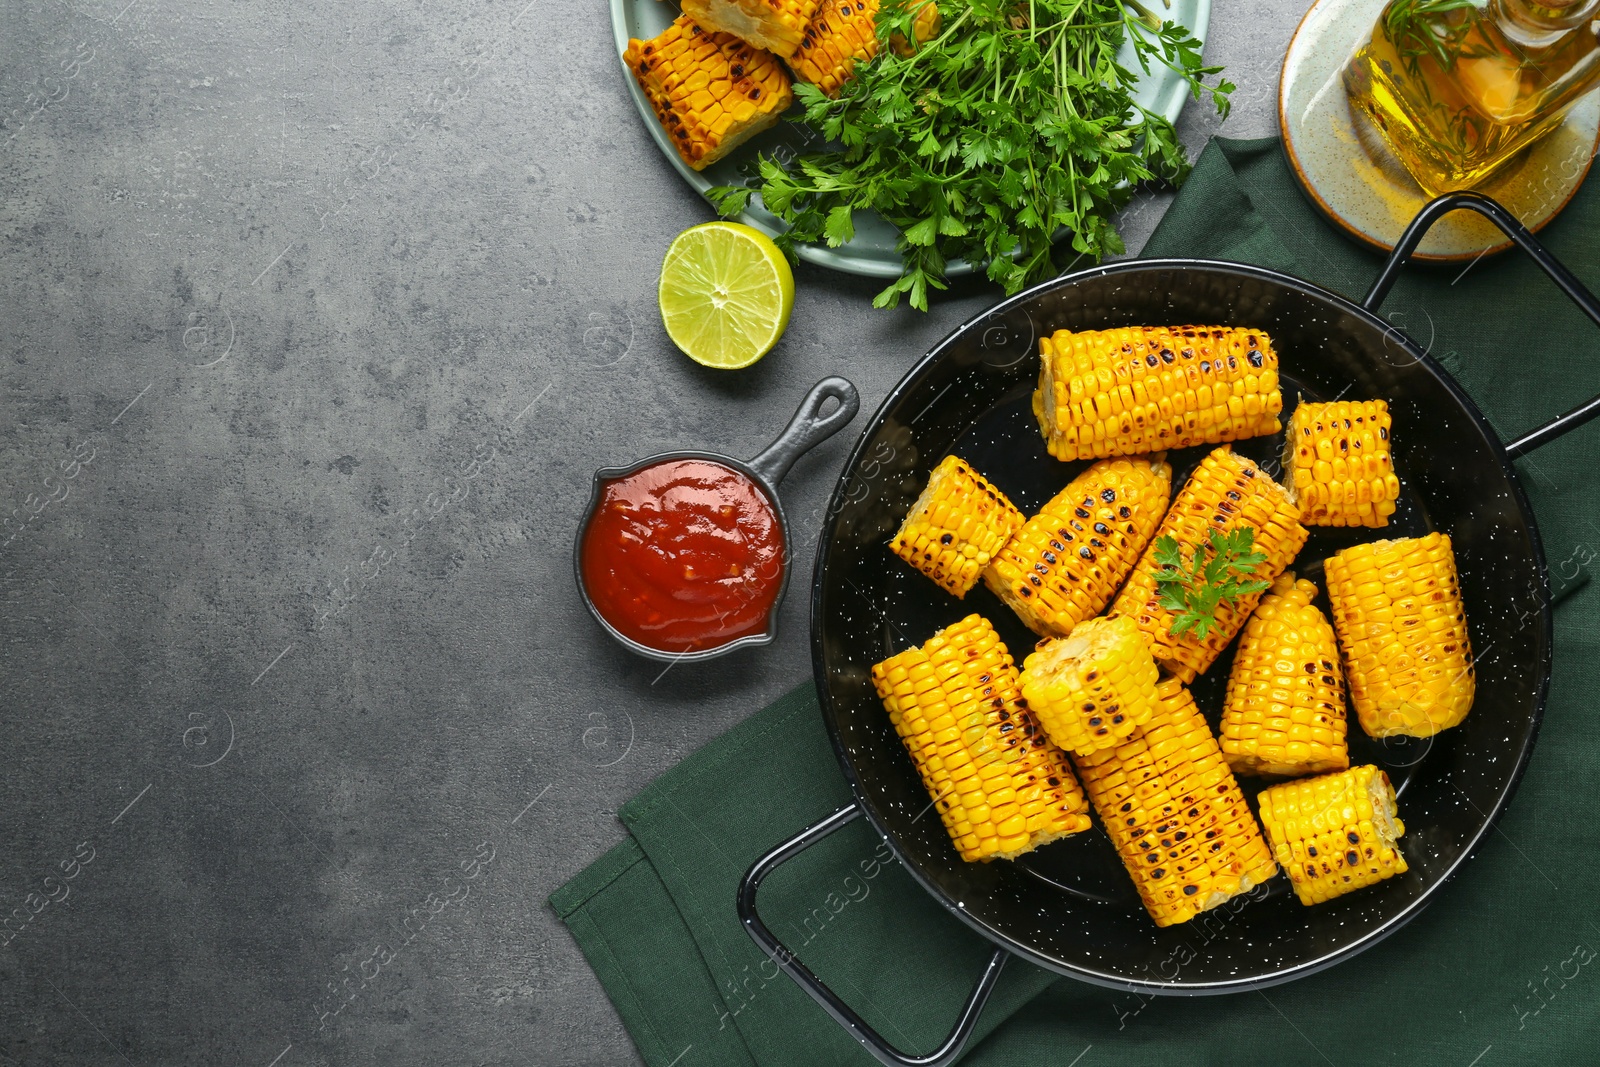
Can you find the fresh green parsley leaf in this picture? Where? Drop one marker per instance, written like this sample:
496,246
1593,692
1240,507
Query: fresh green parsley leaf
1219,570
1011,128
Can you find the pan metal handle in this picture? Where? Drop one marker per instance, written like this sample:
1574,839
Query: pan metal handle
870,1039
808,428
1490,209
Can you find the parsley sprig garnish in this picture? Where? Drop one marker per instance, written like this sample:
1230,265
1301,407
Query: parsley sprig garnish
1015,124
1194,590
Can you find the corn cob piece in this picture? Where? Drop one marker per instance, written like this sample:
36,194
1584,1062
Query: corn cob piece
711,91
776,25
1089,690
1334,834
1175,813
1066,562
956,526
1397,608
1000,786
1226,492
842,33
1143,389
1284,712
1339,455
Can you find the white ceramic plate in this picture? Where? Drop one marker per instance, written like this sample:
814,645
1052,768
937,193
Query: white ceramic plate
872,251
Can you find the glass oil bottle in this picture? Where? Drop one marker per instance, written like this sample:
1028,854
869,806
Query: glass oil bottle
1458,87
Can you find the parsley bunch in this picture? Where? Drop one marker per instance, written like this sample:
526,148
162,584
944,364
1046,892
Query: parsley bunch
1014,124
1195,591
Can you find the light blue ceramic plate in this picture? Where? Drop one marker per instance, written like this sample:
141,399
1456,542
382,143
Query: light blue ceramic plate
872,252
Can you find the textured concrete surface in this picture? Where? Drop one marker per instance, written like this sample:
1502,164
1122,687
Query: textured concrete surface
315,321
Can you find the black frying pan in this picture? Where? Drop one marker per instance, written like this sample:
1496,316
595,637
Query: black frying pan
1070,907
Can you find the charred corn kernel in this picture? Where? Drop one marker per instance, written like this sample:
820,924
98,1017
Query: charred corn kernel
1284,712
1000,786
1175,813
956,526
1089,690
842,34
1334,834
1226,492
711,91
1398,611
777,25
1142,389
1339,455
1066,562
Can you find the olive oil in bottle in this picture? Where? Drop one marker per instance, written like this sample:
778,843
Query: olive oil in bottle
1458,88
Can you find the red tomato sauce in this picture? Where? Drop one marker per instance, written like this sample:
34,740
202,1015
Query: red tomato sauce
684,555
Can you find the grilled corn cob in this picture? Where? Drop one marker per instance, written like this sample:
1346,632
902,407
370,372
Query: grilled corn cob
1397,608
956,526
1336,833
842,34
1089,690
1284,712
1339,453
1065,563
711,91
1175,813
1225,492
1000,787
777,25
1142,389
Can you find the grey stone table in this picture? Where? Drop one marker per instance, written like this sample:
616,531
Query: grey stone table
316,319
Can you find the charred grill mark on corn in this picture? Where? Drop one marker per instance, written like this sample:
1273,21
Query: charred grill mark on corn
1225,492
842,34
1146,388
956,526
776,25
1066,562
1089,690
1175,813
711,91
1334,834
1284,712
1001,788
1343,474
1398,611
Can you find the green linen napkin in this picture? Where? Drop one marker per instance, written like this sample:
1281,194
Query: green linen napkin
1503,968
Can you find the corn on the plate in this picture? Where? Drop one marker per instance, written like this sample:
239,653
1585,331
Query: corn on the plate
1226,492
1284,712
956,526
1342,473
1398,611
1336,833
1066,562
842,34
711,91
1001,788
776,25
1090,689
1175,813
1142,389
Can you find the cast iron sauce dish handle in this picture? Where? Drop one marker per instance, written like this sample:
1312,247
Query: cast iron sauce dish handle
1441,206
808,427
870,1039
951,1048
